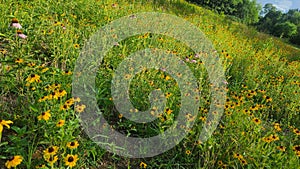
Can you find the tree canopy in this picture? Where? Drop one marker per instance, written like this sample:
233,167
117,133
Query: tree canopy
246,10
277,23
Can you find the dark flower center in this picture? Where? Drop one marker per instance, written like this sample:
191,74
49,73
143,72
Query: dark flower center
72,144
50,150
11,158
70,159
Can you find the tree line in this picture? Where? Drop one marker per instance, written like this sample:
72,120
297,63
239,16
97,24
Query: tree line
267,19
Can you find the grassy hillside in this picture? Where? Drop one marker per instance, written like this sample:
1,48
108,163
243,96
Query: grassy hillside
39,119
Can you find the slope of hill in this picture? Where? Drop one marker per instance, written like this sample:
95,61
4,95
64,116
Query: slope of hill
259,129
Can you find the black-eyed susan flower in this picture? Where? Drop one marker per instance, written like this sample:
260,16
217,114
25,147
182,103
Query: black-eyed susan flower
267,139
120,116
72,144
67,72
45,115
54,95
281,148
69,102
274,137
5,123
44,70
243,161
52,87
50,159
114,5
70,160
64,107
254,108
80,108
167,77
76,99
60,123
263,91
168,95
256,120
202,118
238,156
127,76
220,163
51,151
268,98
31,64
169,111
188,152
61,93
14,161
76,46
143,165
33,78
40,166
42,99
277,127
296,148
19,60
296,131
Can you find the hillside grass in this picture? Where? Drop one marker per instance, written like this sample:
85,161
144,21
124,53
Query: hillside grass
259,129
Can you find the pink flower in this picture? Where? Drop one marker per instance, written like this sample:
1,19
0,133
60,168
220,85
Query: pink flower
15,23
21,35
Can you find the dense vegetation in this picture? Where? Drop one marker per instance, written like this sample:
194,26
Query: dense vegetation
268,19
246,11
39,116
277,23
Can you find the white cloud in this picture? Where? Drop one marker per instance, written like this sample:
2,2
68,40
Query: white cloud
284,4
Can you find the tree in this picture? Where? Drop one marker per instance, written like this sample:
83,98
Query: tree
268,8
285,29
246,10
271,17
296,38
283,25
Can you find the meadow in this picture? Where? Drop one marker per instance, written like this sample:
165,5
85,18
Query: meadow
40,42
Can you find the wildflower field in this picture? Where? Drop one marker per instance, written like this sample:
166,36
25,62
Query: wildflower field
40,127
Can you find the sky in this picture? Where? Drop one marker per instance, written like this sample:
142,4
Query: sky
283,5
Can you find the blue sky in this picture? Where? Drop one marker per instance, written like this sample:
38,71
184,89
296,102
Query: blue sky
283,5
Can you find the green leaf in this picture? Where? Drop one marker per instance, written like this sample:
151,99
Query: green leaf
3,143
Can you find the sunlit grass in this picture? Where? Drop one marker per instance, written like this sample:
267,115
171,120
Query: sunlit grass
39,124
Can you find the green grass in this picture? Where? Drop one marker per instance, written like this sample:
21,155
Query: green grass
262,72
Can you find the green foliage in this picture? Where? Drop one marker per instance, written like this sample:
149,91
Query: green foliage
285,29
283,25
246,10
260,127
